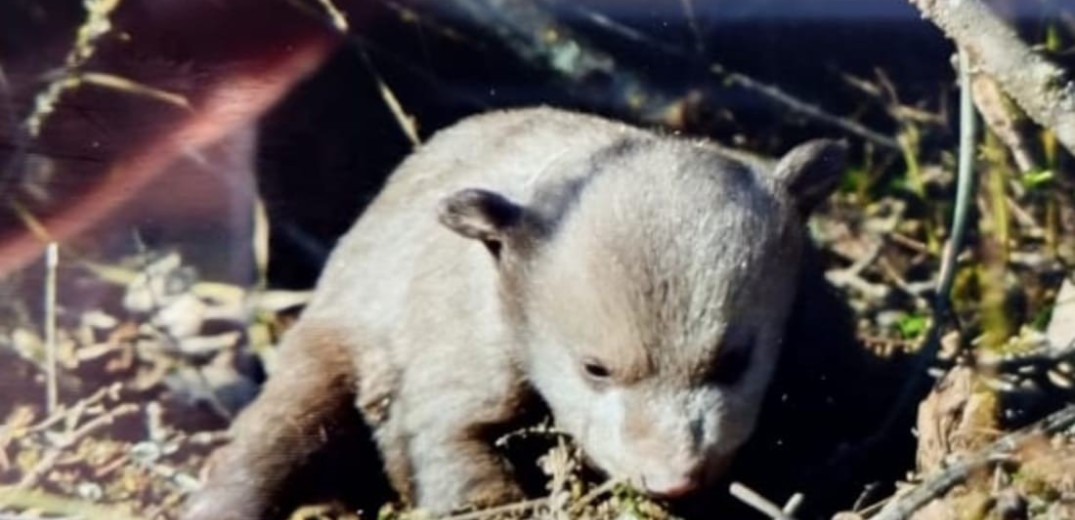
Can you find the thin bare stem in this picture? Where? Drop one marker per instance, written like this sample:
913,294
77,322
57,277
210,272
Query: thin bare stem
807,109
52,260
514,507
761,504
592,495
967,134
338,21
696,30
942,299
32,477
51,503
793,504
403,119
97,23
111,81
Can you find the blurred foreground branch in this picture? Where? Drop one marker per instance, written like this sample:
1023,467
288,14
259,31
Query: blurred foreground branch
537,37
1038,86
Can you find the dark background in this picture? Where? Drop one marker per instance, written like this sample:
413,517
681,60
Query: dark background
336,130
324,149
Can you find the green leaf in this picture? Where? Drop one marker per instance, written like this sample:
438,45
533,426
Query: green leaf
912,326
1037,179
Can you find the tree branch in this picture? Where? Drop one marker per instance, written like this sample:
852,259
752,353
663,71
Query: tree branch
1040,87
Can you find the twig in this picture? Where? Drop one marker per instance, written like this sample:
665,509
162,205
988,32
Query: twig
588,60
51,262
260,243
97,24
909,243
74,411
619,29
851,276
514,507
409,15
736,78
383,53
1040,87
1047,356
890,272
696,31
405,121
860,506
905,114
15,497
866,260
967,134
904,506
803,107
46,463
589,497
1023,218
338,22
753,499
793,504
1000,117
111,81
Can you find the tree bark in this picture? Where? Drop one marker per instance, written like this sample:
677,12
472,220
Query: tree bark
1040,87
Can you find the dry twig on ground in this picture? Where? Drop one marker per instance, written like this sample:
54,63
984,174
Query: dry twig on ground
903,507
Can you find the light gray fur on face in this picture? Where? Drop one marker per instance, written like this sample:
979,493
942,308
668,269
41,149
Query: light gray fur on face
670,249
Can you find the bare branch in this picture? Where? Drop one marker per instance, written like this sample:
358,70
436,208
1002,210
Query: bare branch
1040,87
44,502
51,262
34,475
761,504
804,108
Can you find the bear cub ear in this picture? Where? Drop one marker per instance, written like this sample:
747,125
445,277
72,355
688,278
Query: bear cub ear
811,171
482,215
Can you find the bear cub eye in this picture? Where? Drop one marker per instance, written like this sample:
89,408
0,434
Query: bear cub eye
596,370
